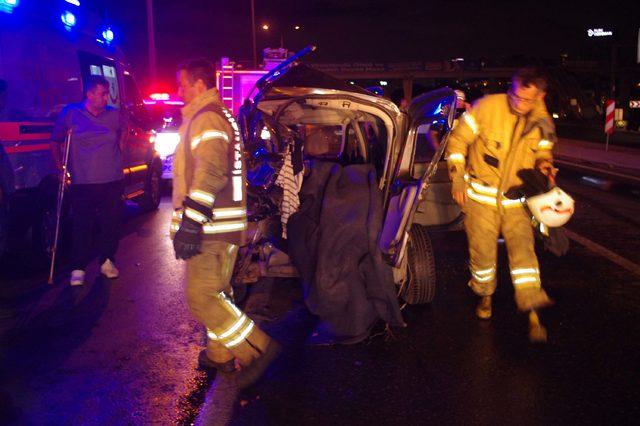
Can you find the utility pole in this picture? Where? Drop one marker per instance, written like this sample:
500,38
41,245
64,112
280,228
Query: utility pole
151,41
253,34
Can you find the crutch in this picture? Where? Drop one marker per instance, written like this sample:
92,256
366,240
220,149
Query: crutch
63,178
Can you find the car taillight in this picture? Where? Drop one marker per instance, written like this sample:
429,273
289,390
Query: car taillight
165,143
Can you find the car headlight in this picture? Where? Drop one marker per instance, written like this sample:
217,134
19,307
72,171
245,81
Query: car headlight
165,143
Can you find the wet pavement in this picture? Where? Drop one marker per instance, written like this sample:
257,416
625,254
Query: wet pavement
110,352
124,351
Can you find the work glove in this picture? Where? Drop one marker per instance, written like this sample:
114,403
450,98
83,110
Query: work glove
188,240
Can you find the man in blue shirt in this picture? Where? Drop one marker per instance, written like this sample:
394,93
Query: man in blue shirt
97,178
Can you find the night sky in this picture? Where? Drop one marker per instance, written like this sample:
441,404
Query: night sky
373,30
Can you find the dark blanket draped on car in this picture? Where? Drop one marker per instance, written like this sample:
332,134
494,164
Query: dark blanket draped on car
333,243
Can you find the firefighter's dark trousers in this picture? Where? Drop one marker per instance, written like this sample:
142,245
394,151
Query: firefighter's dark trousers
484,224
231,334
91,203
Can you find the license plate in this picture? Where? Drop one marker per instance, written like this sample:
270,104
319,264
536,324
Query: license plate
167,167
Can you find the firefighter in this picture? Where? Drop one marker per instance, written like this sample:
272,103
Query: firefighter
499,136
210,222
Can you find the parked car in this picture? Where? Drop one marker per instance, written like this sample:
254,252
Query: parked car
43,65
360,128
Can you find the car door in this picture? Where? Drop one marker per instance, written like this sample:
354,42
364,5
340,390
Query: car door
432,112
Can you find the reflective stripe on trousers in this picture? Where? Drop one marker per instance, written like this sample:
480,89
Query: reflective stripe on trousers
483,225
231,333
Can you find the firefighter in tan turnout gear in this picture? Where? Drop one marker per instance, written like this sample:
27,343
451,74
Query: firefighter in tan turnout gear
501,135
210,222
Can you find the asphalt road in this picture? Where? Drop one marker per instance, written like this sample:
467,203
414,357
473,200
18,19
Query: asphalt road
124,351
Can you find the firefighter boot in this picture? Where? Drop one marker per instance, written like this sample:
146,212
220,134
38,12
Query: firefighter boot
250,374
483,310
206,363
537,332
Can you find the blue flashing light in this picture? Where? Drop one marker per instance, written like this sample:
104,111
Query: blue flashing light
68,19
108,35
7,6
73,2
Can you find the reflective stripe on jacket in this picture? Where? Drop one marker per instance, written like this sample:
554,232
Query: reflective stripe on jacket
209,168
491,143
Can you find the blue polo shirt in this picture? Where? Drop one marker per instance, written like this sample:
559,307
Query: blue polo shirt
95,155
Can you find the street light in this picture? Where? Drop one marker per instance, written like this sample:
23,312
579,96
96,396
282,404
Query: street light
265,27
297,27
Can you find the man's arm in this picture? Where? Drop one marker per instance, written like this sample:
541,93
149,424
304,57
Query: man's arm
544,150
209,145
462,136
58,136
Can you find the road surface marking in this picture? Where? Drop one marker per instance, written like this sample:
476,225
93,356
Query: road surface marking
596,170
605,252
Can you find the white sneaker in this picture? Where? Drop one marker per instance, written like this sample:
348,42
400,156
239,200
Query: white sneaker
77,277
109,270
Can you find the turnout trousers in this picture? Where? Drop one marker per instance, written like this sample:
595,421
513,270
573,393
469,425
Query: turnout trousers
484,224
231,334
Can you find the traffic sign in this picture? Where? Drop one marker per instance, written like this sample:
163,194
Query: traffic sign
609,116
634,104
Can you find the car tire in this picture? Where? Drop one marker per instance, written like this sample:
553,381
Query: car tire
420,285
150,200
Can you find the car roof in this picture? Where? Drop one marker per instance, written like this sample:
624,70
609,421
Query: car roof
302,80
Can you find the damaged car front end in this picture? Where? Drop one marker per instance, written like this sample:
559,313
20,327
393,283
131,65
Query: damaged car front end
301,121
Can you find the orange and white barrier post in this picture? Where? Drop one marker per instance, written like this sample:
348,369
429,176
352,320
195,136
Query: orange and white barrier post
609,120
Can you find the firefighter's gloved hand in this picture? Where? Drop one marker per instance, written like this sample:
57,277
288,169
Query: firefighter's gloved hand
188,240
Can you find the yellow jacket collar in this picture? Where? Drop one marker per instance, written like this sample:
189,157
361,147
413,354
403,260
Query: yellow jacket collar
200,101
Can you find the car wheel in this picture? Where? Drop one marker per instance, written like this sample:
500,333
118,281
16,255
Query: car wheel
150,200
420,285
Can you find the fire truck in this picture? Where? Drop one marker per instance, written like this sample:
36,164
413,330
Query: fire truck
235,84
47,50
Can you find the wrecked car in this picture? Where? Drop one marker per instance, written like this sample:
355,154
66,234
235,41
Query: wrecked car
299,123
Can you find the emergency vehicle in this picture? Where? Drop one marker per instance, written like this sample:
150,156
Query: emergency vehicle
47,50
234,85
166,118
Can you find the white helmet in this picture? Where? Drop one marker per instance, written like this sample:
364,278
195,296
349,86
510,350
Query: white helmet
553,208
